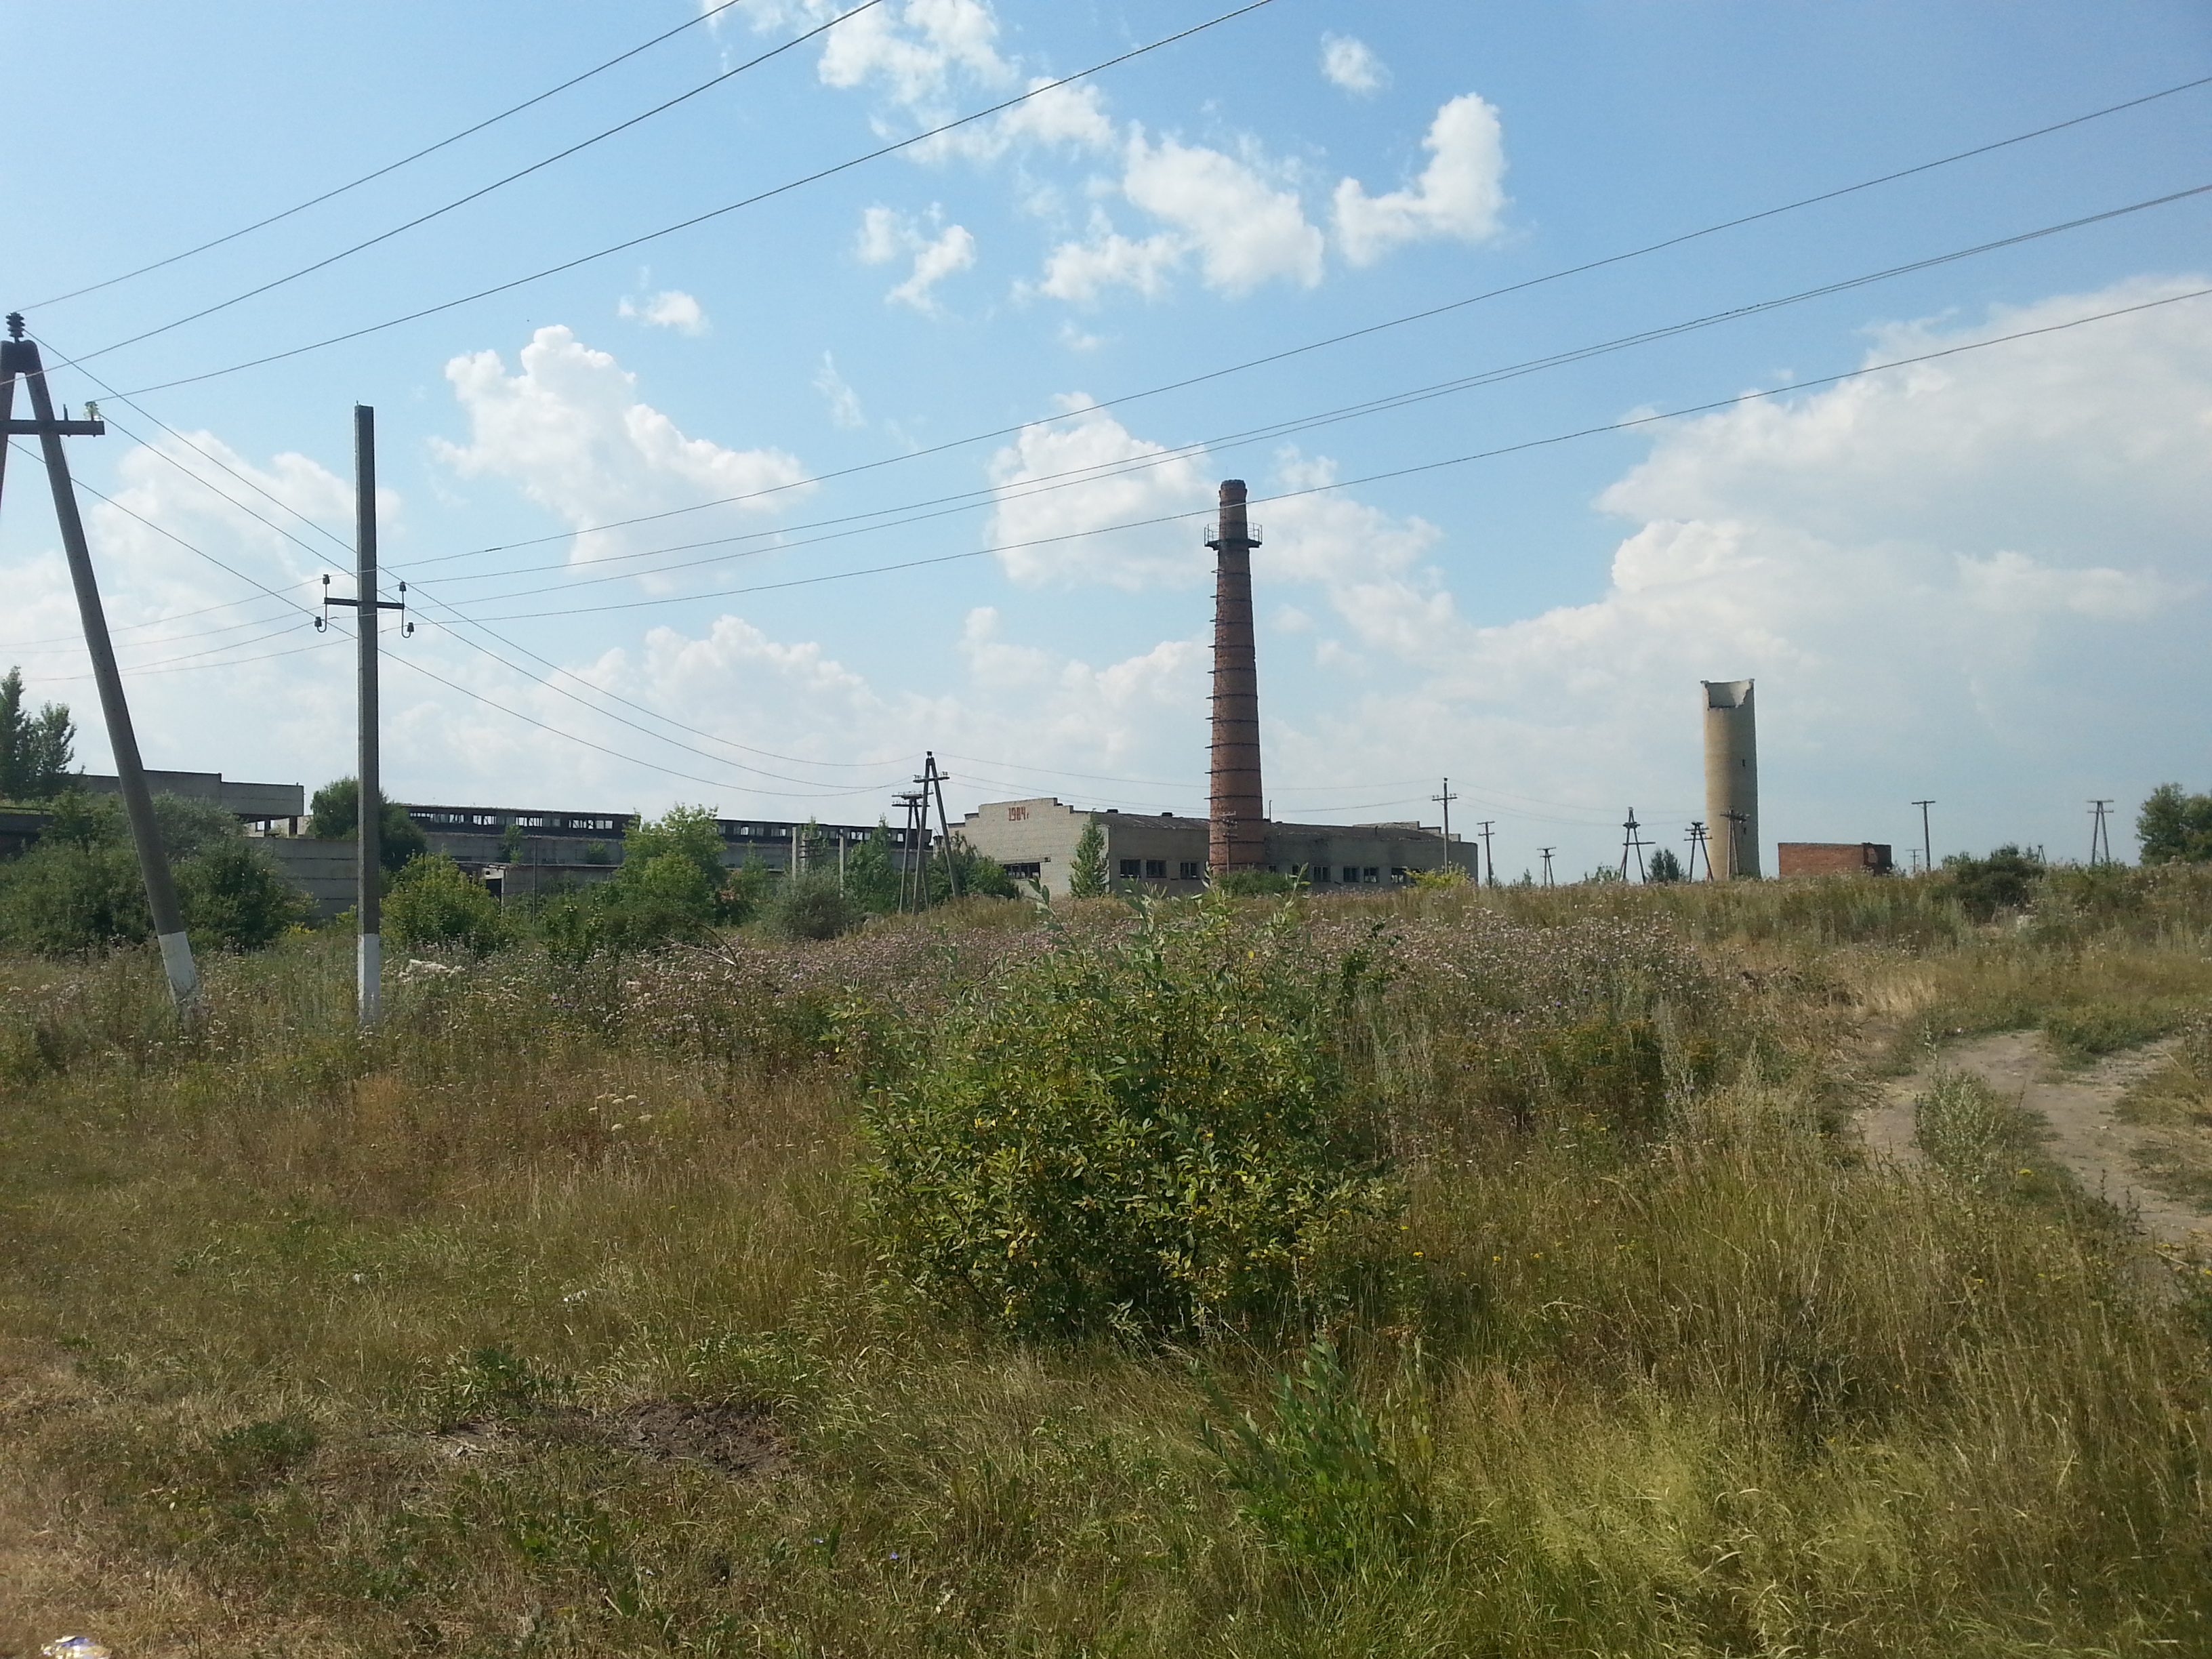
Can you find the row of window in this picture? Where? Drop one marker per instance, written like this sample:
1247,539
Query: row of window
1192,870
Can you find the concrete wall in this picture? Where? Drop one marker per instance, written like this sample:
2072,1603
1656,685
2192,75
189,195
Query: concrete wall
259,801
1832,858
322,869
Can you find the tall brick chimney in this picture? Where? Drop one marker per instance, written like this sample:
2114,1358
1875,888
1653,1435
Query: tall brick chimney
1238,829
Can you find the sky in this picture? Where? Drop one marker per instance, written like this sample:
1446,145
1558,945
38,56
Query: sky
750,422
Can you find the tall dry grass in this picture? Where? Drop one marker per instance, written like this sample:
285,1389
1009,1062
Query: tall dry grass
313,1343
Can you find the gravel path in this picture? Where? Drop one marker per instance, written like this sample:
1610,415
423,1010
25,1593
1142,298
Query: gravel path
2078,1105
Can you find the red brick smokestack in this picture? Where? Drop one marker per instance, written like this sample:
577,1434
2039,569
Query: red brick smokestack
1238,838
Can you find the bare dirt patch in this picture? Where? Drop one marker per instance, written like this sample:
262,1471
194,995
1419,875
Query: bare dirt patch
2088,1137
739,1439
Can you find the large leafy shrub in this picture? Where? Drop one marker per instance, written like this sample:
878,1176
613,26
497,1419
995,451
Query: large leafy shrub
80,889
435,903
811,905
2005,880
1150,1131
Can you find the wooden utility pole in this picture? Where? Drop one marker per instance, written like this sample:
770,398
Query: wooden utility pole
19,357
1547,852
368,854
2100,835
1490,862
1632,841
1697,840
912,869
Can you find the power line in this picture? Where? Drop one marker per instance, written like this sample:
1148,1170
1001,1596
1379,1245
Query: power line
477,195
1676,241
1630,424
754,200
947,506
708,12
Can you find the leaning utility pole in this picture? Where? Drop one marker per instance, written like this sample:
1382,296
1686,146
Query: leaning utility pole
1489,859
368,856
1927,845
20,357
2100,835
934,781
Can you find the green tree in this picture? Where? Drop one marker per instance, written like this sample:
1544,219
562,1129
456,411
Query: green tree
335,815
1086,875
434,902
1664,866
35,750
2174,828
871,872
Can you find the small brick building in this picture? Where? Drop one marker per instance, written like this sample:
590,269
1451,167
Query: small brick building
1832,858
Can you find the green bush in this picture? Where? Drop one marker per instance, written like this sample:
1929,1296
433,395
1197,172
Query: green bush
810,905
2005,880
81,888
434,902
1256,884
234,898
1151,1133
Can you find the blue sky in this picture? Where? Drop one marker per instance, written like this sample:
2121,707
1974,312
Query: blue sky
1982,579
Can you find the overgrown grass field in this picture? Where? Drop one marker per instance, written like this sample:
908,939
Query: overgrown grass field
1438,1273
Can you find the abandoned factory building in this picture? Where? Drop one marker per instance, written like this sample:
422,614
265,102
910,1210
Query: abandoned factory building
1035,840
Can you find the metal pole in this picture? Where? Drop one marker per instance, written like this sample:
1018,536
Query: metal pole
368,951
22,357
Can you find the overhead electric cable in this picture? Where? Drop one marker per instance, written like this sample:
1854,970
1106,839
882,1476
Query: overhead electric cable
901,516
783,189
713,783
1628,425
706,14
1676,241
478,194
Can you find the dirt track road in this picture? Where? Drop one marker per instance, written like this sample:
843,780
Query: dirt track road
2085,1137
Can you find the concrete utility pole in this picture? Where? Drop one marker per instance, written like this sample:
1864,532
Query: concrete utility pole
912,868
20,357
2100,835
1489,859
368,854
1927,844
1547,852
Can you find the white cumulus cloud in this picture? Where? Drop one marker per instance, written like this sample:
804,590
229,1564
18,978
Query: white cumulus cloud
887,234
1460,194
571,431
1352,65
844,402
671,308
1120,479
